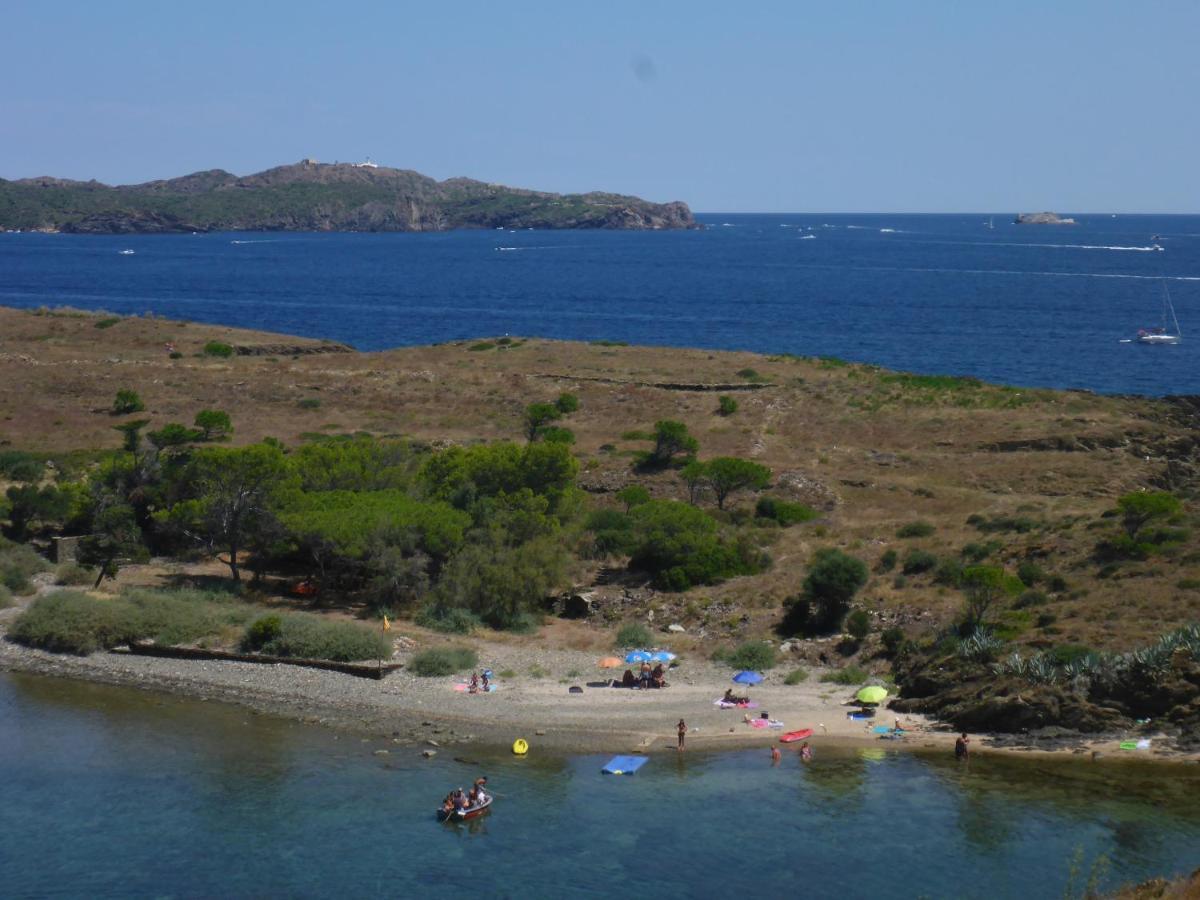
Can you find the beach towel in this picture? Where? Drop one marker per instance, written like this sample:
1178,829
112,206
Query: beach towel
758,723
721,704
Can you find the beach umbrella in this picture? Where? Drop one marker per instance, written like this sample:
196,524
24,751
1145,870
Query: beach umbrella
664,656
747,678
610,662
872,694
637,656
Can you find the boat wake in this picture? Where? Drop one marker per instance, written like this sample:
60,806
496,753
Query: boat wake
264,241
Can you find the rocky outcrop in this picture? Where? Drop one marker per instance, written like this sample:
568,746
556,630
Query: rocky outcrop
1042,218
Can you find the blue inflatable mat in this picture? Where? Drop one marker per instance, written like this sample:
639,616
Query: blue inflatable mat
624,765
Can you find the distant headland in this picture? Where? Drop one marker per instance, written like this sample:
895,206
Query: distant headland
1042,218
314,196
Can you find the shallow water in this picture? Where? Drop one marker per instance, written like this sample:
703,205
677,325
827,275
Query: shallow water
1028,305
109,792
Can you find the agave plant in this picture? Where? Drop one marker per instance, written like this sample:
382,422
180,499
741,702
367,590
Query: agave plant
982,646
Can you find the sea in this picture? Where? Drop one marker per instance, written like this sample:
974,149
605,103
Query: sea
112,793
1027,305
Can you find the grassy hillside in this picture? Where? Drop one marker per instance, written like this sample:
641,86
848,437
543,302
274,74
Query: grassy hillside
309,196
917,473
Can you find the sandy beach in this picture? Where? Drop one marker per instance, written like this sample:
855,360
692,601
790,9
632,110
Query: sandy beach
430,714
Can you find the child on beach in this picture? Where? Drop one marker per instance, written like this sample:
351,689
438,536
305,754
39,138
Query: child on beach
681,728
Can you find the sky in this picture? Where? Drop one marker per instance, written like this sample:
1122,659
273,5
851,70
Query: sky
1069,105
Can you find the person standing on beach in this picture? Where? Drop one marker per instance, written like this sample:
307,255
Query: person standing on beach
962,750
681,728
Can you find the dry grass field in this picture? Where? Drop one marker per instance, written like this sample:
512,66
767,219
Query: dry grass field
872,449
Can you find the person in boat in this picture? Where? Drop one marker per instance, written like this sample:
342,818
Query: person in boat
460,799
478,792
657,675
473,687
448,804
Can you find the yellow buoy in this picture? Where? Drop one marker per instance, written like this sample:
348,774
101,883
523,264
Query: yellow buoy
520,746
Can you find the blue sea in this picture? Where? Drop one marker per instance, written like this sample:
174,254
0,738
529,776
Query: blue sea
1028,305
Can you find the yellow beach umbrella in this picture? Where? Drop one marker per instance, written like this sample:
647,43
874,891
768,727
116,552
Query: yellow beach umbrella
872,694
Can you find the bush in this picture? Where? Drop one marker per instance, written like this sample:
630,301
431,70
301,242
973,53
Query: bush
438,662
612,532
5,597
218,348
749,374
832,581
858,624
918,561
214,424
106,322
567,403
893,639
552,434
783,512
18,563
887,561
262,632
17,465
796,676
976,552
1030,573
1030,598
915,530
633,636
312,637
633,495
949,572
482,345
448,620
309,403
754,655
69,622
73,575
681,546
126,402
726,406
1065,654
848,675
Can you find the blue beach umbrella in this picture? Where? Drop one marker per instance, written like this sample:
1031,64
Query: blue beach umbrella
638,656
747,678
664,656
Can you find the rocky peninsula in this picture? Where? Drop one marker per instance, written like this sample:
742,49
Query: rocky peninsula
1042,218
315,196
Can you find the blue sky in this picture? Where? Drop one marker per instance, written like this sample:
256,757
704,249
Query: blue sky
835,106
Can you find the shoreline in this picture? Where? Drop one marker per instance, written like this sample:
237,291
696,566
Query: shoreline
419,713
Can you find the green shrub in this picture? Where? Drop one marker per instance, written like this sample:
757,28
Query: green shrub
783,512
633,495
107,322
567,403
833,579
307,636
636,435
127,401
680,546
175,354
796,676
849,675
481,346
1030,573
976,552
1056,584
68,622
438,662
632,636
1188,584
893,639
261,632
18,563
214,424
887,561
726,406
17,465
218,348
949,572
73,575
1030,598
5,597
447,619
918,561
553,434
309,403
612,532
1065,654
858,624
915,530
754,655
750,375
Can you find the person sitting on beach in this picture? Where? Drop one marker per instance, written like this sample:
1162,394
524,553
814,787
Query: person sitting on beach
656,676
628,680
729,698
485,681
474,686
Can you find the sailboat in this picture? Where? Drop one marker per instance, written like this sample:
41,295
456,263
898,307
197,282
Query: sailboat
1162,335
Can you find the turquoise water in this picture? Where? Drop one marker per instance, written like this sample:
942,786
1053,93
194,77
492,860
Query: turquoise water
109,792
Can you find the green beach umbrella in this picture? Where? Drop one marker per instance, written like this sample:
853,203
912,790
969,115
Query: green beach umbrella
872,694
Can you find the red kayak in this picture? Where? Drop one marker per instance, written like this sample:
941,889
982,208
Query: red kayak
795,735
